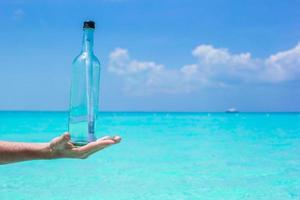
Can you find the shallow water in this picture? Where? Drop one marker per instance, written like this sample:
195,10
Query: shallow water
163,156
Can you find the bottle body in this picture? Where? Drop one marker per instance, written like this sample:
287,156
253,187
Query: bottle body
84,98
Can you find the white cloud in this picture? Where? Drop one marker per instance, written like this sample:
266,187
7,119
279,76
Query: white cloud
214,67
207,54
120,63
150,77
18,14
219,65
283,66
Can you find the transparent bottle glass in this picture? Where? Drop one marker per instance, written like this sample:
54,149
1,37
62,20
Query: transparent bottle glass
84,98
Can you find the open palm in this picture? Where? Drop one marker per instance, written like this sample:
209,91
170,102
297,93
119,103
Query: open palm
61,147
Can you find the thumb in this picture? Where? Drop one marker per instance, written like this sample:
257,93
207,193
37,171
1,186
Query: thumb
64,138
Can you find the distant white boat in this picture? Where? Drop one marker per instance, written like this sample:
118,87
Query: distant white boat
232,110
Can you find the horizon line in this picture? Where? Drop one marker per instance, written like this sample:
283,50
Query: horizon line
145,111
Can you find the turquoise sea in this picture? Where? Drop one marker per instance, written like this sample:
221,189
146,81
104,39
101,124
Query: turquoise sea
163,156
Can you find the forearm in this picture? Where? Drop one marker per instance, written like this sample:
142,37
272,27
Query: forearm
14,152
59,147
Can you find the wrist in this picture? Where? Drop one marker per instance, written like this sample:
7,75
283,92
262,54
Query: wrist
46,151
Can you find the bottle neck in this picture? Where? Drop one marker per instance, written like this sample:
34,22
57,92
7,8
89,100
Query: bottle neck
88,40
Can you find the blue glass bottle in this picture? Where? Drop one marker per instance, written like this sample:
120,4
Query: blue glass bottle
84,90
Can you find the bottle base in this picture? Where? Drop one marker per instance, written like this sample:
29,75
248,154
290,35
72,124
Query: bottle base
79,143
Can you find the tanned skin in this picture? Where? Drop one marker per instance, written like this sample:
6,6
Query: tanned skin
59,147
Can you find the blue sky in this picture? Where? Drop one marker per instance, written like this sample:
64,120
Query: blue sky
167,55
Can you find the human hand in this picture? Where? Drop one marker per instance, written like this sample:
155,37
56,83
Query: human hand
61,147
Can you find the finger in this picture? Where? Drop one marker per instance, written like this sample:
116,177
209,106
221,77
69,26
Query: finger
61,139
99,144
70,145
64,138
117,139
105,138
95,146
67,136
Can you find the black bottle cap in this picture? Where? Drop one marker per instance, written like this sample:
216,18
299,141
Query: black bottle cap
89,24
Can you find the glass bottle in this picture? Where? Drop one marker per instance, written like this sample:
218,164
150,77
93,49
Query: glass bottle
84,90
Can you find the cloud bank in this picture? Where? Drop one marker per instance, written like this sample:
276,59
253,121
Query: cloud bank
213,67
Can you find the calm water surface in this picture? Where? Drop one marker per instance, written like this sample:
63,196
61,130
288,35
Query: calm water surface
163,156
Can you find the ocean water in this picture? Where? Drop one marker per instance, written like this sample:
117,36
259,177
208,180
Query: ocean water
163,156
